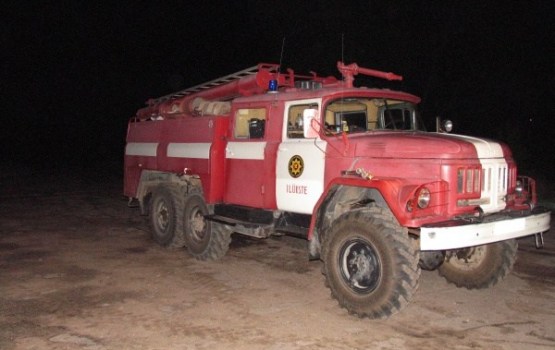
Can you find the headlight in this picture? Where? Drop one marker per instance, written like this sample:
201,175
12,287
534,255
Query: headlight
423,199
519,188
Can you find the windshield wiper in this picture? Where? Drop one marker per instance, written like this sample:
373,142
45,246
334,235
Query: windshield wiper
388,111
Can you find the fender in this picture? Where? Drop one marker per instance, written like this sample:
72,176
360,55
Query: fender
151,178
345,193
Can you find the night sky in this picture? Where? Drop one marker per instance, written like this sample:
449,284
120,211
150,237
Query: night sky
74,72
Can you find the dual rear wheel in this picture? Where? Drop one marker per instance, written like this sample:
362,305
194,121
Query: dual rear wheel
177,221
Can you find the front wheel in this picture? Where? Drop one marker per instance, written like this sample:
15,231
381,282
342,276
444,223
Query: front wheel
481,266
205,240
370,263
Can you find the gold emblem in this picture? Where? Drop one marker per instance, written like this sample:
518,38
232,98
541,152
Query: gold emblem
296,166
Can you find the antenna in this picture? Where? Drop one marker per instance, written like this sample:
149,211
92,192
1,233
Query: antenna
342,47
281,55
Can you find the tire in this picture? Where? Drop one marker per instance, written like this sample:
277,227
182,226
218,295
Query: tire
370,263
205,240
481,266
165,219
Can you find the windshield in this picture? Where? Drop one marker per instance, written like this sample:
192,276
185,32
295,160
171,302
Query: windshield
358,114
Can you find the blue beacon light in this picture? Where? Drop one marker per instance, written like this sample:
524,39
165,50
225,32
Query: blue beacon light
273,86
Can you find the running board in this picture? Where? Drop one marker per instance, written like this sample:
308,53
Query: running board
243,227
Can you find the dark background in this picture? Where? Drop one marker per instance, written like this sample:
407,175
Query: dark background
74,72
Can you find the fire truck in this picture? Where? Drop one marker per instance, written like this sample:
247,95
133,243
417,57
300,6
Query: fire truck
352,170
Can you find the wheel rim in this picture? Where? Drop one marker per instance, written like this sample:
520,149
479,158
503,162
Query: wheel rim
162,216
360,266
470,258
197,225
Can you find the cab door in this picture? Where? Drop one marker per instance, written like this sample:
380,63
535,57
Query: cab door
245,156
300,162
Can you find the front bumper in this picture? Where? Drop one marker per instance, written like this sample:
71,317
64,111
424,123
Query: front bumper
498,227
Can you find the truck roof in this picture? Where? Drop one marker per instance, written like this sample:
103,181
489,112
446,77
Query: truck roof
266,82
298,93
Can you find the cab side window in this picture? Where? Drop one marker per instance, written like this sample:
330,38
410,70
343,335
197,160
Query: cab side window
250,123
295,120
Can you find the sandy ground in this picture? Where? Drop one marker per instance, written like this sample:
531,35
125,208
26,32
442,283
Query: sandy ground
79,271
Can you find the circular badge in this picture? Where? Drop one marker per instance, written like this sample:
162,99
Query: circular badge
296,166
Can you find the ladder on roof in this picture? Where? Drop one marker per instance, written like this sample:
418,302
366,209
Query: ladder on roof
216,82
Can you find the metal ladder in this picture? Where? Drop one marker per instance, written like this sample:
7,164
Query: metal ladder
213,83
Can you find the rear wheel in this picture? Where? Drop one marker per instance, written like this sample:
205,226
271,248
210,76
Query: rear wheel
205,240
166,223
371,266
481,266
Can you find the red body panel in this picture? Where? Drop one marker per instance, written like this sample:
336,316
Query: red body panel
209,131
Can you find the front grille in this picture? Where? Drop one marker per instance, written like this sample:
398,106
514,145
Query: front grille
468,180
495,180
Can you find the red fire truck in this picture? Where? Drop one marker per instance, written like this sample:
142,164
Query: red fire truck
352,170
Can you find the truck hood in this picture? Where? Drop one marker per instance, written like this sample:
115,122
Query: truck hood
423,145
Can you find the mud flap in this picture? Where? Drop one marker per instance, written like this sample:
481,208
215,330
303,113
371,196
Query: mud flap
314,248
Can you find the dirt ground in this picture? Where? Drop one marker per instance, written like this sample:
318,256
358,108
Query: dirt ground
79,271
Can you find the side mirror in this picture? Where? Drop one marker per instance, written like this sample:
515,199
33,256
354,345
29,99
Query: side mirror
311,125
